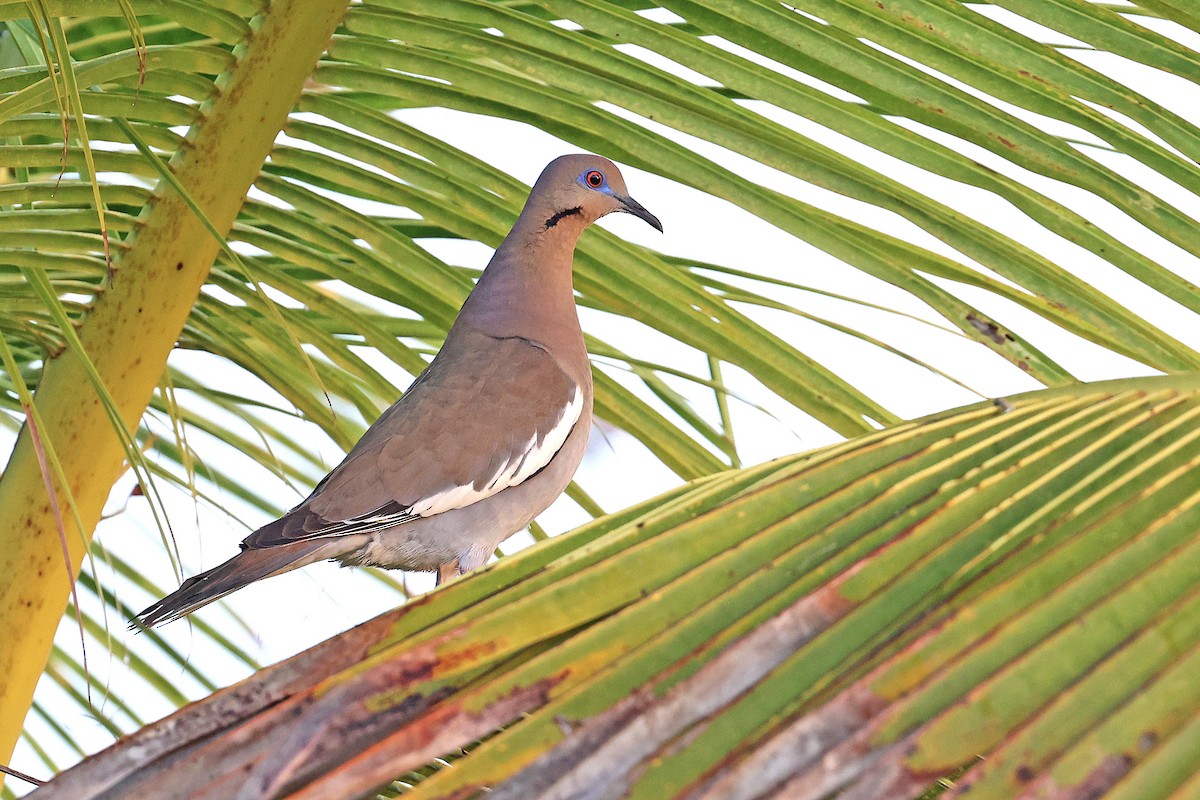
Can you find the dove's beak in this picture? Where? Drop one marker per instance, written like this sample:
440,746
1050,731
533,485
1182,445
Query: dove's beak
631,206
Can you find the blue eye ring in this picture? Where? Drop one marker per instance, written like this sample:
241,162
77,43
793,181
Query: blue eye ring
594,178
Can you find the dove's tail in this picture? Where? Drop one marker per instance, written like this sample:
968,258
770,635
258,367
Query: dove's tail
246,567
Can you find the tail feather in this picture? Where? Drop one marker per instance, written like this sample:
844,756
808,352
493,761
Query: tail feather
241,570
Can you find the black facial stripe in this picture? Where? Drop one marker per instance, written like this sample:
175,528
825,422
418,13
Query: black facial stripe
558,215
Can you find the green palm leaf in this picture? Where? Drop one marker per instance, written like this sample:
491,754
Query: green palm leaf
1013,583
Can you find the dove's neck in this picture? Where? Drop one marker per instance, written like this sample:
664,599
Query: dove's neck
527,292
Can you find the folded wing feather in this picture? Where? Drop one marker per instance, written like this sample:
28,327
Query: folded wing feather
481,430
522,463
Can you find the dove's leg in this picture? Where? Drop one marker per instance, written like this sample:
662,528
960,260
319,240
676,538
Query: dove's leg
447,571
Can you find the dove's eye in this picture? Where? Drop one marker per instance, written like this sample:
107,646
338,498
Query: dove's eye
594,179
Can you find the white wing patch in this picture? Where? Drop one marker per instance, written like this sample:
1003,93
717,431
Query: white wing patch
524,463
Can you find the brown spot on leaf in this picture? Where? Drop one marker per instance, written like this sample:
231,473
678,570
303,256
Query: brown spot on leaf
1025,773
987,328
466,655
1104,776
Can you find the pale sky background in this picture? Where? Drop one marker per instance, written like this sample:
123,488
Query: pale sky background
295,611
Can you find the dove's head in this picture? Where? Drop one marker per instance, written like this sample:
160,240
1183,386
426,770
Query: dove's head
582,189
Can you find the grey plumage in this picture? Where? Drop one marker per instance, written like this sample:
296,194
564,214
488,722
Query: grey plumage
485,438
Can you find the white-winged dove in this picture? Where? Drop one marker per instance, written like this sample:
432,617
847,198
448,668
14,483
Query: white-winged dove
484,439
